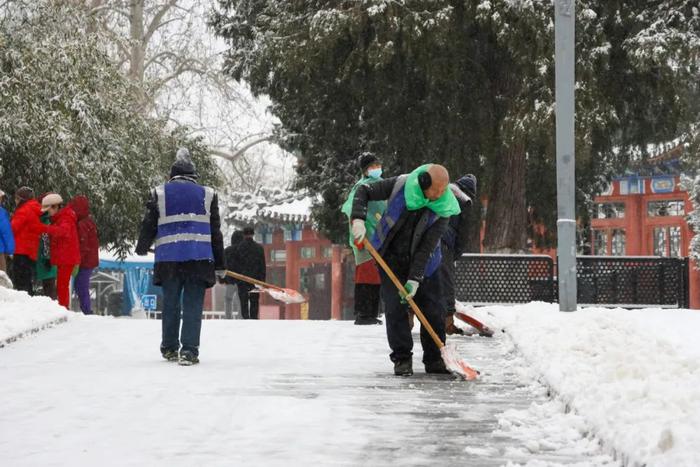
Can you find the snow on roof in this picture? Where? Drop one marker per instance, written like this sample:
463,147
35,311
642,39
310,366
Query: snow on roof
294,210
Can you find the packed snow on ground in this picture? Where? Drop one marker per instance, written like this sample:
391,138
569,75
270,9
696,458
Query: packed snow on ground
21,314
633,375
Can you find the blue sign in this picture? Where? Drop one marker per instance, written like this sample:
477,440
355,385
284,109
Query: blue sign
148,302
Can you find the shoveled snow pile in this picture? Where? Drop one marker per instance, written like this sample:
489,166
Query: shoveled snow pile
21,314
633,375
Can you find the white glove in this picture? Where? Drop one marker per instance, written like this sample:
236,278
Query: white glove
411,287
358,230
220,273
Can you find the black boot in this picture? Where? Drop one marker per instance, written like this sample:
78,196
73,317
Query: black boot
188,358
169,354
365,321
403,368
437,367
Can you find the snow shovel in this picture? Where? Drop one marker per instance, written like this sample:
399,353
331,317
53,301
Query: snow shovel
281,294
449,355
483,330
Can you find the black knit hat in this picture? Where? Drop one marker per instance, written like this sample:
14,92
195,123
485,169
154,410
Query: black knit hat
24,193
366,159
183,164
467,184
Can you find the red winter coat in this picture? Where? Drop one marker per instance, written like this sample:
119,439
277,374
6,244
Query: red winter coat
27,228
63,233
87,233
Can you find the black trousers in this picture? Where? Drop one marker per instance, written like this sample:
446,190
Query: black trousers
367,300
249,301
447,278
429,300
23,273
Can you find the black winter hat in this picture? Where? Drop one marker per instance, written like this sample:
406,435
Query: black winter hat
24,193
467,184
366,159
183,164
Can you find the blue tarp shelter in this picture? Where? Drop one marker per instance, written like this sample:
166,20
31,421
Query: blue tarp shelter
138,277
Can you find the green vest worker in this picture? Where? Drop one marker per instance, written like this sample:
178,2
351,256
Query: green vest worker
367,280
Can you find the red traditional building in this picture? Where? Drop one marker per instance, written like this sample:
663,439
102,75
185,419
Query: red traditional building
646,216
300,258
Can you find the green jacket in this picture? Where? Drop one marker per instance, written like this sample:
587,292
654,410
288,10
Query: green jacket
44,270
375,209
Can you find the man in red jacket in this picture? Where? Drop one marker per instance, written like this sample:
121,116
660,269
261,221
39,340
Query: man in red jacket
65,246
89,251
27,228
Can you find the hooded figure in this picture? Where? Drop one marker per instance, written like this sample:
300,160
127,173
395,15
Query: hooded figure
182,220
89,251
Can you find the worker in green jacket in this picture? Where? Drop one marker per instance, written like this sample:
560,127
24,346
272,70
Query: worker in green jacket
367,280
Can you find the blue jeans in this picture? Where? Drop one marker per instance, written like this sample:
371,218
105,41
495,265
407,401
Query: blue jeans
184,295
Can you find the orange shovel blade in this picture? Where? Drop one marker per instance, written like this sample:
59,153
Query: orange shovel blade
457,365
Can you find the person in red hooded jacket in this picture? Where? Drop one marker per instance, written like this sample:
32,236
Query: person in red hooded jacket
65,246
89,251
27,228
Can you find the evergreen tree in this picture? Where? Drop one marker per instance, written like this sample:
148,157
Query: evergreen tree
67,124
466,83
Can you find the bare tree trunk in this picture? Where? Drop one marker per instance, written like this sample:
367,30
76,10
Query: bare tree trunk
137,51
506,216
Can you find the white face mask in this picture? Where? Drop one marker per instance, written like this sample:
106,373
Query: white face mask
374,173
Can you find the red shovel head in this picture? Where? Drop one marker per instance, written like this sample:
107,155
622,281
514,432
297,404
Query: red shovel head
286,295
457,365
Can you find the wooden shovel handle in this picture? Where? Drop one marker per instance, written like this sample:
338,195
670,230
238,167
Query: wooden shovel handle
250,280
397,283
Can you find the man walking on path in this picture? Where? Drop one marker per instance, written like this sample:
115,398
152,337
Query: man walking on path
89,251
453,244
7,239
27,228
367,280
182,218
230,282
249,259
408,237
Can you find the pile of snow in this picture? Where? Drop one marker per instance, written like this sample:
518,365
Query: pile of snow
21,314
633,375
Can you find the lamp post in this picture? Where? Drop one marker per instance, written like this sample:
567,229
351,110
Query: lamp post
564,58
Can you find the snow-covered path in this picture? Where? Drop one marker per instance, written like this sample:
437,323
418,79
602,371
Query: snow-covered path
94,391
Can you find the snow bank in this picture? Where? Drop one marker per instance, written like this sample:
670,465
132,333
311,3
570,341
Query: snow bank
21,314
634,375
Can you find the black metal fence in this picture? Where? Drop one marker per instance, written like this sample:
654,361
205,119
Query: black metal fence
601,280
504,278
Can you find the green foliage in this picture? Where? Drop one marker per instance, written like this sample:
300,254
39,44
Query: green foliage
67,122
466,83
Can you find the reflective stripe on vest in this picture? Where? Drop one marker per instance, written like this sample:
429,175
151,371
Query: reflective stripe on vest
184,229
395,207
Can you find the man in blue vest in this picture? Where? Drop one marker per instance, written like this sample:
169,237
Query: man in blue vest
182,219
408,238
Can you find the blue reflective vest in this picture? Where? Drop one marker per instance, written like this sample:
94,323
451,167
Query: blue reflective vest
395,207
184,229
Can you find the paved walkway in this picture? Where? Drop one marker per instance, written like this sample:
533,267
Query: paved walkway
93,390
